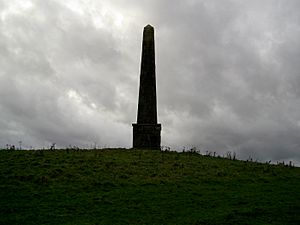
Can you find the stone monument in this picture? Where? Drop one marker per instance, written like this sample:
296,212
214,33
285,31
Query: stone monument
146,132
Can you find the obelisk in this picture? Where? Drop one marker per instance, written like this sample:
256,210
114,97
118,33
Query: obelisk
146,132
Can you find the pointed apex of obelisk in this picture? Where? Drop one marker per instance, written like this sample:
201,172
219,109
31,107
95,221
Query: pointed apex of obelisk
148,26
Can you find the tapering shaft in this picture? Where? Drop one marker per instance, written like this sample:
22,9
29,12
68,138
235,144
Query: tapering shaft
147,108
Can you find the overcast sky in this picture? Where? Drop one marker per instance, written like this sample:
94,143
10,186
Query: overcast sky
228,73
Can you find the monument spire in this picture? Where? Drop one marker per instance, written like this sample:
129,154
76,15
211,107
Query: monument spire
146,132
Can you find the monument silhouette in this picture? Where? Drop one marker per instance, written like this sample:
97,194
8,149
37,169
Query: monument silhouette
146,132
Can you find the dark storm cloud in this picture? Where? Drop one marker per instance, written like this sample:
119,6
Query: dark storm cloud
227,73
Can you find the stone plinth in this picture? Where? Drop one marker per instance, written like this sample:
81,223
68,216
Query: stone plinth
146,136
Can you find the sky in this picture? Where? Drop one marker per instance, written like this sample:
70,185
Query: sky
227,74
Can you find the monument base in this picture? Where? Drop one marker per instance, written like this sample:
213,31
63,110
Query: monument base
146,136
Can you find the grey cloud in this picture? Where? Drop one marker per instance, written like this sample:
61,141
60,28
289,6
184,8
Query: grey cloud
50,55
227,74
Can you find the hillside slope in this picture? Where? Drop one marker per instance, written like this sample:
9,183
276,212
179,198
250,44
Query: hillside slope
143,187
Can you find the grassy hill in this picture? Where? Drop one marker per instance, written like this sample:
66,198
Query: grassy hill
143,187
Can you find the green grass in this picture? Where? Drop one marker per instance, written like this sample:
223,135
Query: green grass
143,187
